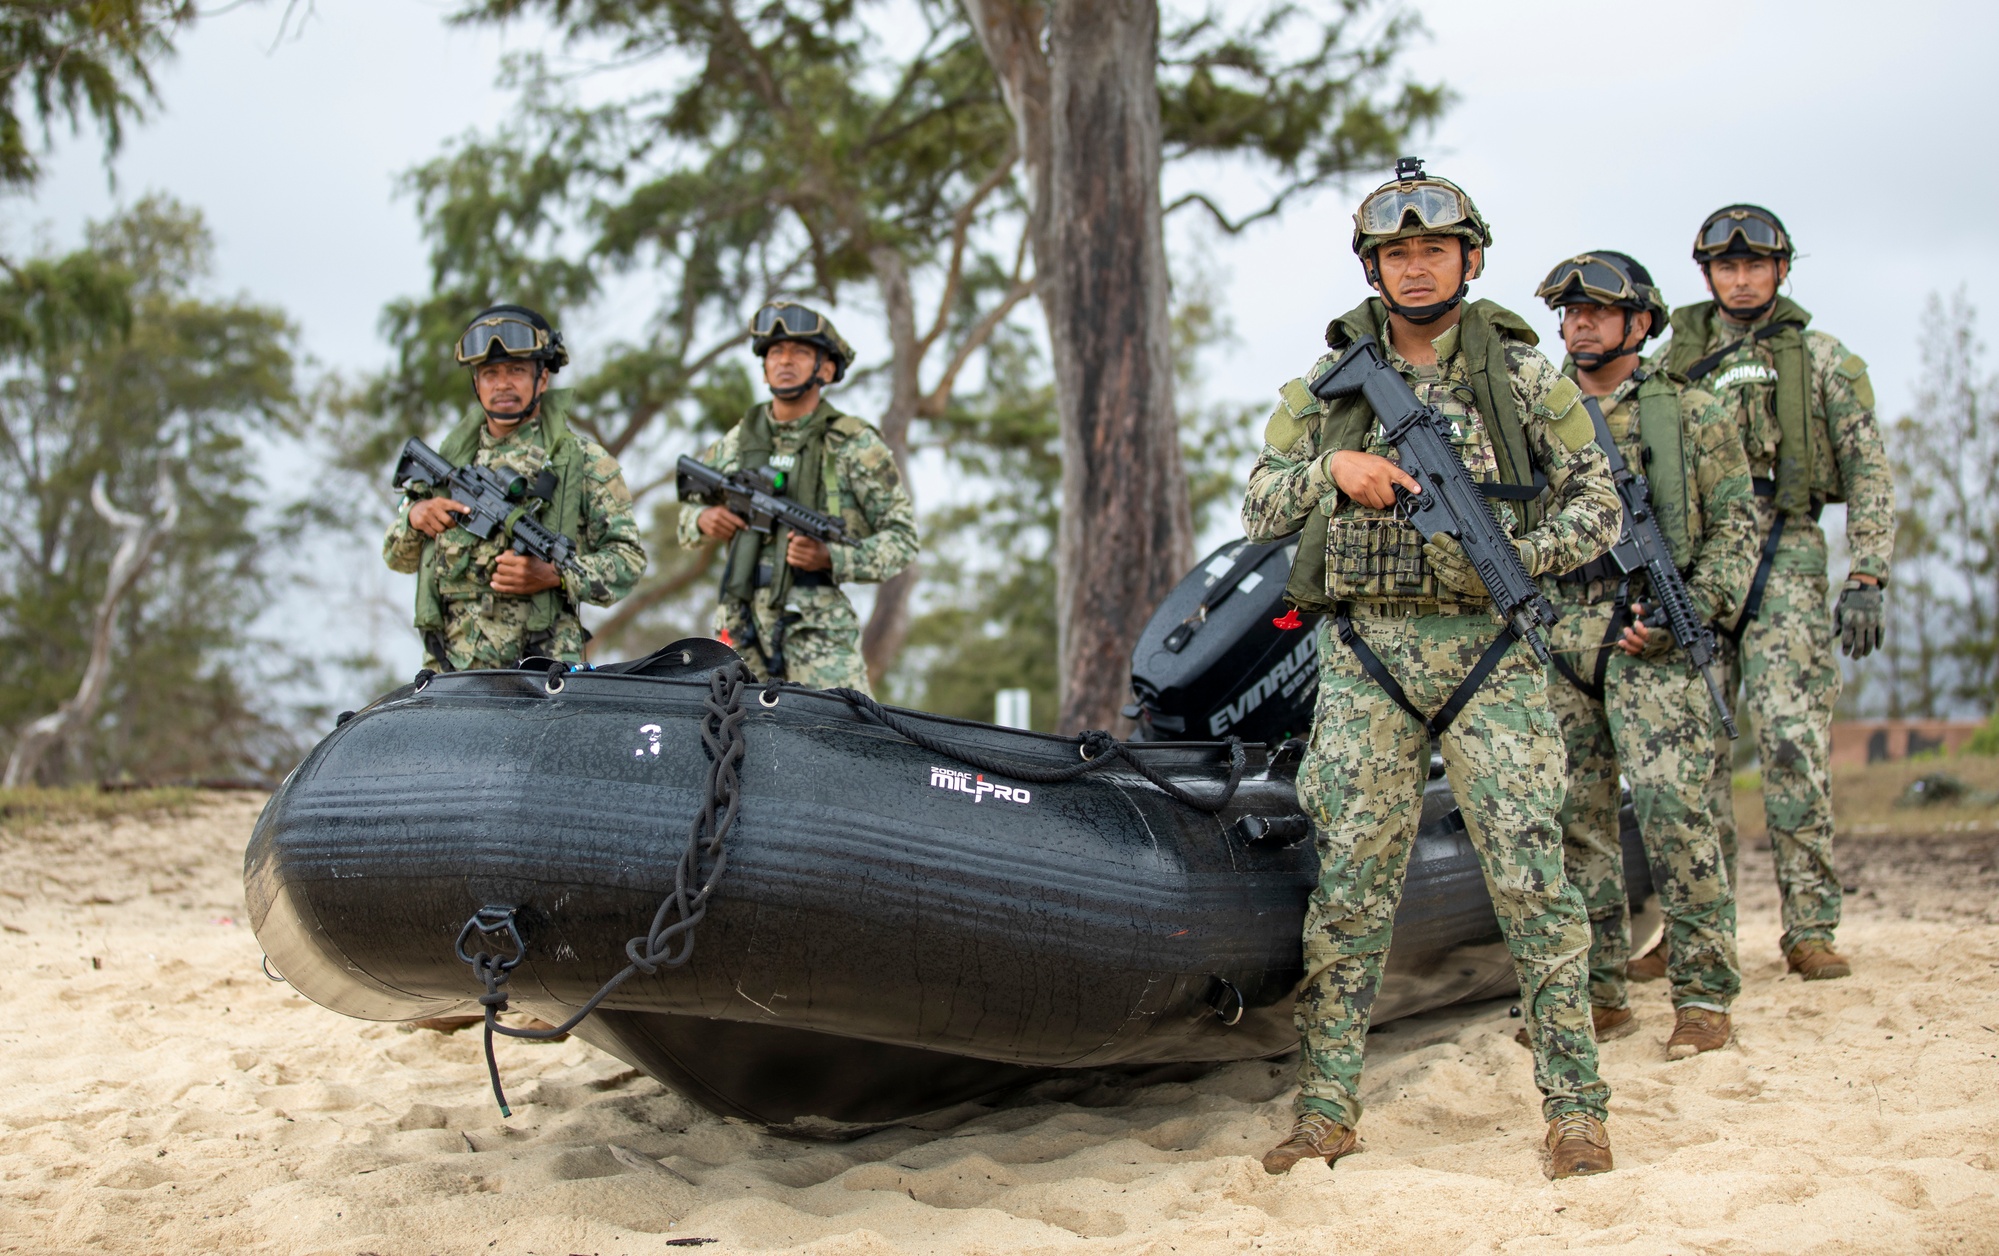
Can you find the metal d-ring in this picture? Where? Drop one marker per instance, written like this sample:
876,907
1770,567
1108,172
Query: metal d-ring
265,964
1219,1006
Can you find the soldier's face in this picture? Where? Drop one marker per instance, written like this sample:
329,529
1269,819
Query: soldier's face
788,363
1600,328
507,387
1743,283
1422,270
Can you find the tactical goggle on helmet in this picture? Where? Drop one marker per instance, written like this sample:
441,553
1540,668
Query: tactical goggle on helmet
1605,278
788,320
1438,206
511,332
1742,231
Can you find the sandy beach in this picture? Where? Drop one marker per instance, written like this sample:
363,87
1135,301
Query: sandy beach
164,1097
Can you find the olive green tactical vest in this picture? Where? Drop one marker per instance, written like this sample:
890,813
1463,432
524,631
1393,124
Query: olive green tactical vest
1668,477
1802,436
1347,421
564,514
812,481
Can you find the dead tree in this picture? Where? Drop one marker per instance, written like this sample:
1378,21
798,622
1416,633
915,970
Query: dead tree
139,538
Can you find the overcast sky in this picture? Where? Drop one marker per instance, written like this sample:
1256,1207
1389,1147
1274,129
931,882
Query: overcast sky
1578,125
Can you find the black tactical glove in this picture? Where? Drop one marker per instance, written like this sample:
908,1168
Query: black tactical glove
1858,617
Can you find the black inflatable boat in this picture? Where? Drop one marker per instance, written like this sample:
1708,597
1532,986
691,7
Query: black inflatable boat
894,931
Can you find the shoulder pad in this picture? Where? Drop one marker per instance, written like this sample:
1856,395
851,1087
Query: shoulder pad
1509,325
847,425
1287,422
1572,423
1853,369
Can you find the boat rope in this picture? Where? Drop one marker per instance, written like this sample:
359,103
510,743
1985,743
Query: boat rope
669,942
1097,748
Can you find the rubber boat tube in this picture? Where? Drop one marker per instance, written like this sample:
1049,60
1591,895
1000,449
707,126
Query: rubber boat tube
893,933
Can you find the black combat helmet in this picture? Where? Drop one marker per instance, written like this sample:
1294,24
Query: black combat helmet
512,331
1742,231
788,320
1606,277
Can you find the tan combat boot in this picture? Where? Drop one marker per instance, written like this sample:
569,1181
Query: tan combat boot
1817,961
1577,1144
1315,1136
1698,1029
1651,966
1609,1023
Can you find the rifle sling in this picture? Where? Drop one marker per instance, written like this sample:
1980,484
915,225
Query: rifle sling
1593,687
1378,671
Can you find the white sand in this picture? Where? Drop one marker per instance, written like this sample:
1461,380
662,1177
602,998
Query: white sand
163,1096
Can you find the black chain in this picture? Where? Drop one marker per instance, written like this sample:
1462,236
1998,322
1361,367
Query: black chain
669,942
1098,750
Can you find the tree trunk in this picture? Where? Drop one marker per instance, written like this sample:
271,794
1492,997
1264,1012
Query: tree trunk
138,541
1100,260
888,624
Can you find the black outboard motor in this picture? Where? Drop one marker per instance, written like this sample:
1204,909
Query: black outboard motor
1212,662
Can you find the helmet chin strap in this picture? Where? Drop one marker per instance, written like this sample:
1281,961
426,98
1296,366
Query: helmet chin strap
1423,315
1588,361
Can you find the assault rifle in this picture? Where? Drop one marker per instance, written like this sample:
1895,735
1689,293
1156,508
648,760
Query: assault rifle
753,494
1642,547
1450,502
500,502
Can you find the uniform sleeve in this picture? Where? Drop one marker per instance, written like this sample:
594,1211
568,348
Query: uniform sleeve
1848,398
612,559
721,455
1584,515
872,481
1727,556
1292,474
402,549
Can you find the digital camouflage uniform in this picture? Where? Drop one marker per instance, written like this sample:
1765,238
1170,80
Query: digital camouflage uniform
1363,773
822,647
483,629
1655,720
1786,670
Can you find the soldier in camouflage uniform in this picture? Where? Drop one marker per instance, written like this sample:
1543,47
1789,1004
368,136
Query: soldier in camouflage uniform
788,618
1806,411
1425,613
478,603
1626,698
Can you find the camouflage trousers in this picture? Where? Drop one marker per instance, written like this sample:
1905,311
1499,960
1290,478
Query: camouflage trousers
822,644
1657,723
1362,783
1789,681
491,631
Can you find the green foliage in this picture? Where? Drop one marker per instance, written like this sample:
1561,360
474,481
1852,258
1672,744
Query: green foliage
1941,653
25,810
67,60
1313,98
989,622
1985,740
113,363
